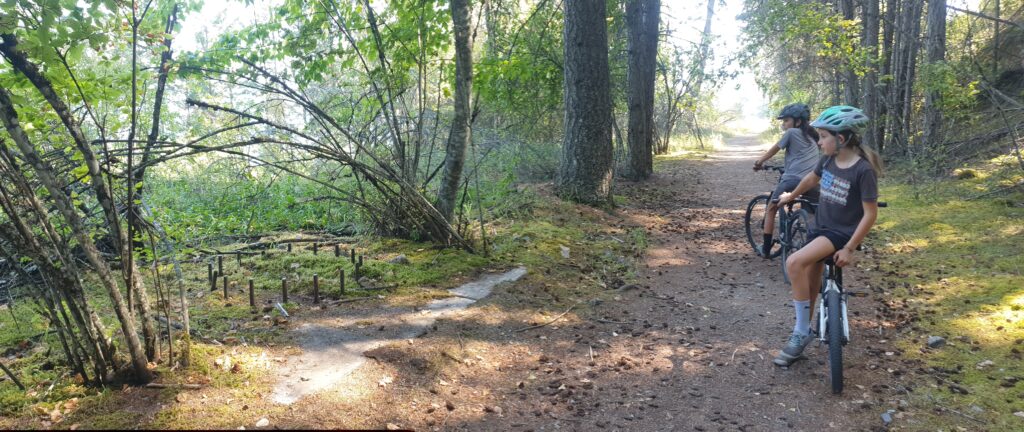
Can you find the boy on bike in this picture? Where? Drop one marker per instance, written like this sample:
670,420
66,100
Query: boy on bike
800,142
847,210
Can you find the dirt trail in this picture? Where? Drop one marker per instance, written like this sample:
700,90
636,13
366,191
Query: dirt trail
727,313
689,349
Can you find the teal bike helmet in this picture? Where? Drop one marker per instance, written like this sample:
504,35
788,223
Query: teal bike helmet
841,118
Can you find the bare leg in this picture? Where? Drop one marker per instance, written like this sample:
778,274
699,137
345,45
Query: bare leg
804,267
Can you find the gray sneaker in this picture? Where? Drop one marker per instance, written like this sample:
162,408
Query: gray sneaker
794,349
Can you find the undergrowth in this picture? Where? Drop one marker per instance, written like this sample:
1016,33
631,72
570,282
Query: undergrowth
955,263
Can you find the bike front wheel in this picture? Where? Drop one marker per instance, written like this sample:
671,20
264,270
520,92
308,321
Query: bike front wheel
797,231
753,221
834,328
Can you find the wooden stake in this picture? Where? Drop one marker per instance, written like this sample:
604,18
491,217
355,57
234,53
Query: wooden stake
209,271
353,255
342,281
213,281
225,287
316,288
289,247
284,290
315,247
337,251
252,296
220,264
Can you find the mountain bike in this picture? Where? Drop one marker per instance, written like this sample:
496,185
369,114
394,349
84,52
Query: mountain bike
753,220
791,225
833,326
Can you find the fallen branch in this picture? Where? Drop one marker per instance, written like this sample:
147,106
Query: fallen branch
174,386
217,252
375,288
337,302
1019,184
549,322
13,378
323,242
610,321
953,410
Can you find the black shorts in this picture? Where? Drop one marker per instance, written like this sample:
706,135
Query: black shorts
788,184
838,239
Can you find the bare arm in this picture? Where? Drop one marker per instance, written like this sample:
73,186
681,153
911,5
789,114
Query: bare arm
768,154
844,256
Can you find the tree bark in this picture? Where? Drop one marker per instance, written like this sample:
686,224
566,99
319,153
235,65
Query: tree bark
935,47
870,45
851,90
642,18
585,169
885,88
913,45
461,132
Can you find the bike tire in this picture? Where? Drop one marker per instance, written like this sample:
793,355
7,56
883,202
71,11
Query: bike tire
797,230
753,222
835,340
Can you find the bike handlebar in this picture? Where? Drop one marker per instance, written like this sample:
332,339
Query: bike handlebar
772,168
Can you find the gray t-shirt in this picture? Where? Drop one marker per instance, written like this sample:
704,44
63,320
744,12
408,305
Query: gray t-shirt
843,190
801,153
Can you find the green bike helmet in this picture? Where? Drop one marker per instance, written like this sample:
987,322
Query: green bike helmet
841,118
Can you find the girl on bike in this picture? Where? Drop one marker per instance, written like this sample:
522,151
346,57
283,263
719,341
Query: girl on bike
847,174
800,142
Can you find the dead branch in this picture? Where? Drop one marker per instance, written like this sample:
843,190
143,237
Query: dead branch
549,322
174,386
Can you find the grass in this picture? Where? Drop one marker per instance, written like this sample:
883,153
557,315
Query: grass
957,266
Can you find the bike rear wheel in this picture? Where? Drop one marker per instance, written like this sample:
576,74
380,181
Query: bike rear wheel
834,328
753,221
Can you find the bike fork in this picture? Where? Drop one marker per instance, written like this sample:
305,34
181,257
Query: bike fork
846,322
823,311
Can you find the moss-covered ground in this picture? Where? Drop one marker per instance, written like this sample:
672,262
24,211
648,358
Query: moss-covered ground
951,261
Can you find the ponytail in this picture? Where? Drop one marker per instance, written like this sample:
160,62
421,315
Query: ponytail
868,153
808,131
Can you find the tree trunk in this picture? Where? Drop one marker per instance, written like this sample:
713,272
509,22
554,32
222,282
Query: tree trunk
995,40
851,90
461,133
870,44
885,88
585,169
935,43
642,17
45,174
913,44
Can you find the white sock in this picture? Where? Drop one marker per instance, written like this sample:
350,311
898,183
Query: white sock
802,308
